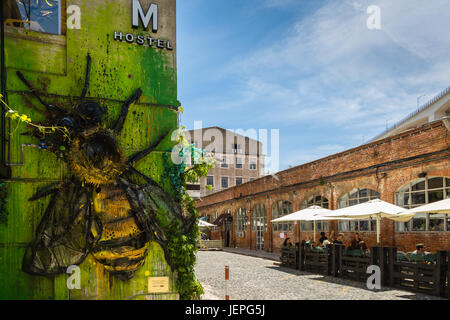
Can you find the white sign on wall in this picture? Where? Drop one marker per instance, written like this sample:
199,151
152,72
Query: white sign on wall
139,15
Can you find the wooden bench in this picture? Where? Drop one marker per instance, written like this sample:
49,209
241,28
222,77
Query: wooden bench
289,257
317,261
355,267
418,276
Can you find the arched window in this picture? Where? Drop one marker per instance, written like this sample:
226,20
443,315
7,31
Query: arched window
259,217
315,201
420,192
355,197
240,222
358,196
281,209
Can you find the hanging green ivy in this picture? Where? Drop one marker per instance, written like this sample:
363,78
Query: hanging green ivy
183,245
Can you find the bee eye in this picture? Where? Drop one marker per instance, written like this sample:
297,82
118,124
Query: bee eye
67,122
98,190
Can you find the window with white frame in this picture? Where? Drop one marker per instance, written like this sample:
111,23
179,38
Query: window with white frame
281,209
253,164
224,163
259,217
239,181
309,225
224,182
315,201
353,198
358,196
420,192
210,181
239,163
240,223
236,148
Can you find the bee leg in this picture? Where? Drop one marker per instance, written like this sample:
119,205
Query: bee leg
86,80
45,192
125,107
142,154
34,92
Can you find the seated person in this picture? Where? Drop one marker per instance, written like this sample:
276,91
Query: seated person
287,242
322,237
420,250
364,249
419,254
308,242
355,242
340,239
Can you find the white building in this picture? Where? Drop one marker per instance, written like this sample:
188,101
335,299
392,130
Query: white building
436,109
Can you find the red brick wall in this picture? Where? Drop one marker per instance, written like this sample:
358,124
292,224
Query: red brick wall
331,178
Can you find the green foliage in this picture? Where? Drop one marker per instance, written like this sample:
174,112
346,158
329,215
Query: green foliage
182,244
3,202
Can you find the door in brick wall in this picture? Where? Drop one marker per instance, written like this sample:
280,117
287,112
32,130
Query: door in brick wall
259,235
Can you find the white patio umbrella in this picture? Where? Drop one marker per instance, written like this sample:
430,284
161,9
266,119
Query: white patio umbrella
314,213
205,224
373,209
442,206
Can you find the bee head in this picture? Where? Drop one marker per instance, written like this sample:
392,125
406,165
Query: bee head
96,158
91,112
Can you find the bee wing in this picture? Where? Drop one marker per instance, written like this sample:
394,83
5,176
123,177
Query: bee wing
146,202
149,200
66,233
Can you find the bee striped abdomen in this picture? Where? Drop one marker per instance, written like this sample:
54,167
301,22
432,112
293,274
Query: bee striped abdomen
122,248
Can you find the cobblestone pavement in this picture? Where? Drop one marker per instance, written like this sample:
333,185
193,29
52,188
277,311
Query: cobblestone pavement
259,279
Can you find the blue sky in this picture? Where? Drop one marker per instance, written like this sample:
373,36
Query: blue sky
310,68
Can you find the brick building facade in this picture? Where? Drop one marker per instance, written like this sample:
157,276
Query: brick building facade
408,169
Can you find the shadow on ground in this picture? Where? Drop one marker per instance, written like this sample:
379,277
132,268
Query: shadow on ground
352,283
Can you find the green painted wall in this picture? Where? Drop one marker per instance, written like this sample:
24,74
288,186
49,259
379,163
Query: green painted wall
56,65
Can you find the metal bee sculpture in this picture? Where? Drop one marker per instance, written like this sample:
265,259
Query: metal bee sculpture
98,211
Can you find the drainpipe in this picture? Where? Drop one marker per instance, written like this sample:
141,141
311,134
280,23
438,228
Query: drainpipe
3,91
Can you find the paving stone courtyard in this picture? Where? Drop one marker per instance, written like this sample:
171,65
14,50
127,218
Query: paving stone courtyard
253,278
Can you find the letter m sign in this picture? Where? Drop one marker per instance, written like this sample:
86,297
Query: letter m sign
152,14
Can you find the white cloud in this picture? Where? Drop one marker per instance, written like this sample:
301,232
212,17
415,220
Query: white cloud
331,68
329,73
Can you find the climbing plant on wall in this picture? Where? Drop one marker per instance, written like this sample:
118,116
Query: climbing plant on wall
183,241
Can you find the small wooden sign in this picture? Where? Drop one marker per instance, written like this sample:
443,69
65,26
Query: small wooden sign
158,284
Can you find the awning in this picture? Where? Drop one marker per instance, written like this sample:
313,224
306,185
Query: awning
204,224
222,218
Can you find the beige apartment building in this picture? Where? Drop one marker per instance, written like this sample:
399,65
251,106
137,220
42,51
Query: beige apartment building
239,159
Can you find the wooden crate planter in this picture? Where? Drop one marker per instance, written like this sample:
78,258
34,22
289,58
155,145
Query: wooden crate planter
317,262
418,276
289,257
355,268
